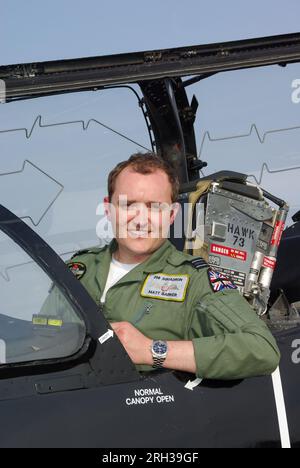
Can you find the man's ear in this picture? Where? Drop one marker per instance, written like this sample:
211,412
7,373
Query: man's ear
174,212
107,208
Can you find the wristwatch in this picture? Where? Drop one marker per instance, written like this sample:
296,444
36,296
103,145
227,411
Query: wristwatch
159,350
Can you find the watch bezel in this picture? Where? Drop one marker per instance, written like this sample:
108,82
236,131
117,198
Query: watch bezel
155,353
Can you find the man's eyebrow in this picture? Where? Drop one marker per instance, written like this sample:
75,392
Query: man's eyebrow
131,202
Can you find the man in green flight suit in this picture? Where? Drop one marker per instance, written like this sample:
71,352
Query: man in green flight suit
168,308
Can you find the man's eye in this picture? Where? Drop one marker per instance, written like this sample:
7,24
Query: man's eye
132,208
155,207
125,206
159,207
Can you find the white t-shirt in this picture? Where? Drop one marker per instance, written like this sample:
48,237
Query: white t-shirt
116,271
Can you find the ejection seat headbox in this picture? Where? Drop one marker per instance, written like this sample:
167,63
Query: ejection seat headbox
232,225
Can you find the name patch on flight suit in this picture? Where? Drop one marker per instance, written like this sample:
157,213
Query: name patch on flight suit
166,287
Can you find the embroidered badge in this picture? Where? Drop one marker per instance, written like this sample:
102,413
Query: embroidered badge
78,269
219,282
166,287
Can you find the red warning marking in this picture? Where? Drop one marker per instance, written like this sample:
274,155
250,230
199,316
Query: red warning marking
229,252
269,262
277,234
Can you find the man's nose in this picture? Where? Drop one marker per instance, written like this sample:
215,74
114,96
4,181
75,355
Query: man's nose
141,216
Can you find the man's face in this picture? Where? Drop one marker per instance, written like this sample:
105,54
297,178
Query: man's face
141,211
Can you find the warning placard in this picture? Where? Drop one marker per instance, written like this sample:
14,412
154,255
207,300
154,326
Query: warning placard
278,231
269,262
229,252
238,277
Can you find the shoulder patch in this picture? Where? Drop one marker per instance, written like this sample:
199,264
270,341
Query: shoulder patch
219,282
199,263
93,250
77,268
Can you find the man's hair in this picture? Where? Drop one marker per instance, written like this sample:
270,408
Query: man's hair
145,163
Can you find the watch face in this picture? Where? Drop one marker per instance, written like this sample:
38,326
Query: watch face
160,347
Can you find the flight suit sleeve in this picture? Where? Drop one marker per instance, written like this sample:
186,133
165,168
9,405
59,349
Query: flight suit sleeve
230,340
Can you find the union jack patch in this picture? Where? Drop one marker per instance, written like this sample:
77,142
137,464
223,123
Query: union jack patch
219,282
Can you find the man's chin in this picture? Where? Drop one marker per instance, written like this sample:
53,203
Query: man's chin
139,235
141,245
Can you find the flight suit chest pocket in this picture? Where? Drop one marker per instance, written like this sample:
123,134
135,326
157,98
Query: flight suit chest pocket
160,319
143,311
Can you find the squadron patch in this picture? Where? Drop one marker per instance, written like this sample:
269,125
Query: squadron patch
166,287
219,282
77,268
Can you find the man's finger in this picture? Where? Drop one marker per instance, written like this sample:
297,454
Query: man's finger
115,325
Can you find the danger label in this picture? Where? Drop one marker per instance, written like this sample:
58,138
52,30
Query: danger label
229,252
277,234
269,262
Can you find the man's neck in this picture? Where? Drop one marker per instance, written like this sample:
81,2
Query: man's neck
129,258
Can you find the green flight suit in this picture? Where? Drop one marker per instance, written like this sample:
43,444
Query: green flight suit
230,341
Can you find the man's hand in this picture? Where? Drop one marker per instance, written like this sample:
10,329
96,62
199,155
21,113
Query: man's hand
180,353
136,344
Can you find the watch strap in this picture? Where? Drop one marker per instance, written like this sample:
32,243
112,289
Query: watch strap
158,362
